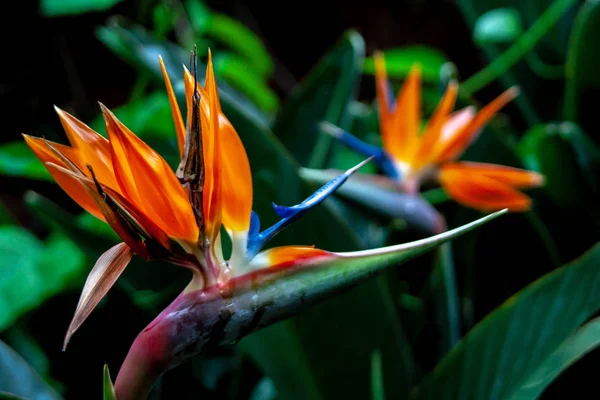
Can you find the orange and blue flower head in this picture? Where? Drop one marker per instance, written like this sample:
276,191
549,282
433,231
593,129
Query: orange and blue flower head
175,216
412,156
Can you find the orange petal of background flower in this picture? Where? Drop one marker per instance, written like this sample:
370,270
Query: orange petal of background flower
288,256
403,137
93,147
148,182
70,185
433,130
175,112
515,177
383,100
459,143
481,192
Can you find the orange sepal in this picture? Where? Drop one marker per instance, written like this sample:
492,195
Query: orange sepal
403,137
289,256
148,182
454,147
212,193
175,112
433,131
483,190
71,186
515,177
93,147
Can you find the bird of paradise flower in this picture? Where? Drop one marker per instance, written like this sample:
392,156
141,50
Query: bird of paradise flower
178,216
411,156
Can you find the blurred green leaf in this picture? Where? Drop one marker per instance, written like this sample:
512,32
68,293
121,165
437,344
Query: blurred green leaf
18,378
584,340
108,388
399,61
33,271
9,396
569,160
5,216
501,25
583,60
164,19
141,49
241,40
55,8
198,13
323,95
377,386
235,71
264,390
443,293
17,159
512,343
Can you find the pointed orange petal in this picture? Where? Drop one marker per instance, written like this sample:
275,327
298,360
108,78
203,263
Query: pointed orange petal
433,130
175,112
93,147
103,276
481,192
235,167
383,100
515,177
456,122
405,126
455,147
148,182
212,193
70,185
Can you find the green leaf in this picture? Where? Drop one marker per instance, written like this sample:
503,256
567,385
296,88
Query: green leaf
5,215
569,160
583,61
584,340
198,13
377,386
19,380
443,292
55,8
241,40
17,159
324,95
399,61
513,342
43,269
501,25
108,388
235,71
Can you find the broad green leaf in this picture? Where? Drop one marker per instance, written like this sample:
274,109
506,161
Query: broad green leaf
19,380
584,340
198,13
569,160
17,159
55,8
323,95
399,61
583,62
108,388
32,270
509,346
501,25
241,40
235,71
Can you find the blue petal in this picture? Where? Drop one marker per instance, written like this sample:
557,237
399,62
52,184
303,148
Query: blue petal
291,214
380,157
254,225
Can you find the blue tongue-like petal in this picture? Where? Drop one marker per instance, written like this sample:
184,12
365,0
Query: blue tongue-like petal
289,214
